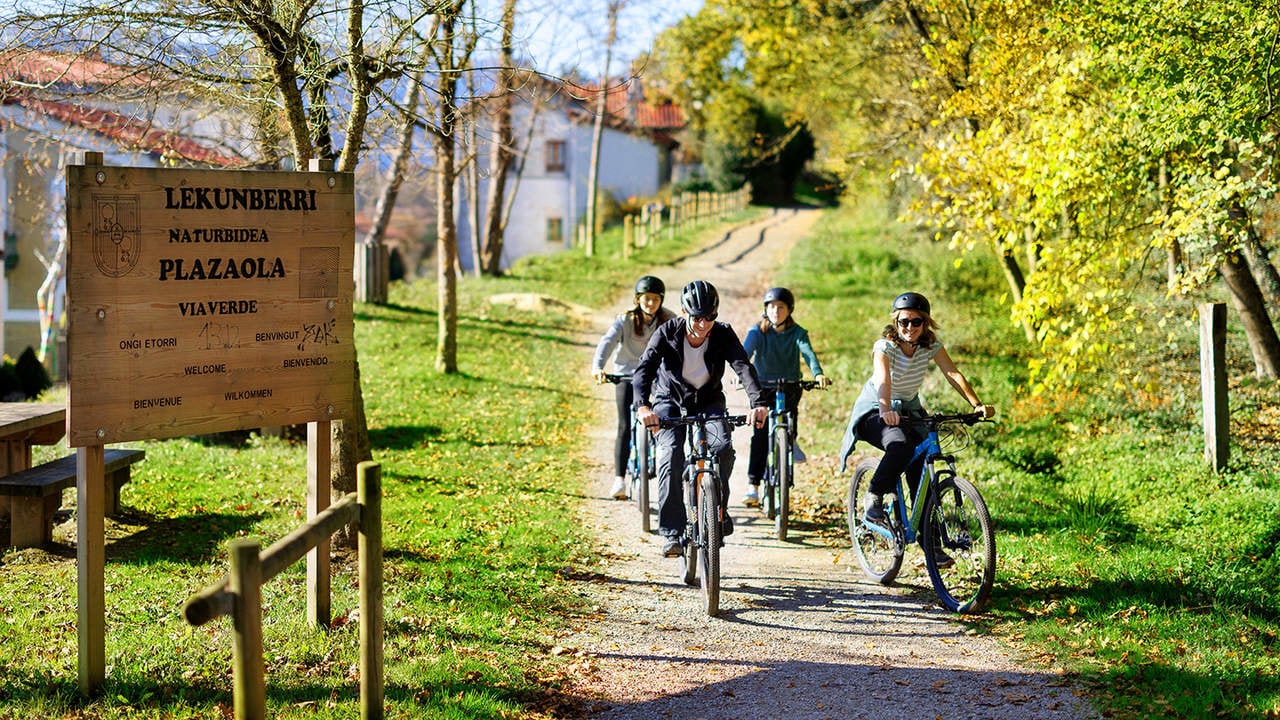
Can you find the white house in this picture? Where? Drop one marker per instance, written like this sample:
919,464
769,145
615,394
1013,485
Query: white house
553,125
41,132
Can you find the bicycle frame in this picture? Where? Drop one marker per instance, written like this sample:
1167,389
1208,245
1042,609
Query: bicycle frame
704,506
639,477
699,461
930,449
947,514
779,474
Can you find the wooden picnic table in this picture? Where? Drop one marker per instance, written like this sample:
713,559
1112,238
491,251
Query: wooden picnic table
24,424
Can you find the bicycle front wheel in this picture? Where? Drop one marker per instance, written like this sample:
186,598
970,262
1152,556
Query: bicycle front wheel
689,553
959,545
710,534
782,451
879,556
641,492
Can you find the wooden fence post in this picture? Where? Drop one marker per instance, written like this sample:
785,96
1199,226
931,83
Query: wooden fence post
369,492
1213,383
373,271
319,442
250,690
90,567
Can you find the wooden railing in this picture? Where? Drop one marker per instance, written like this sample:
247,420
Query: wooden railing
685,210
239,594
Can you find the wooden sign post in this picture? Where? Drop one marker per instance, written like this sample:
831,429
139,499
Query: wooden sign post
201,301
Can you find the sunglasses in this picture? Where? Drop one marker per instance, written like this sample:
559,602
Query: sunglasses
704,318
910,322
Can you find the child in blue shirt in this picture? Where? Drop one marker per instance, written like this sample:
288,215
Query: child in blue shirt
775,346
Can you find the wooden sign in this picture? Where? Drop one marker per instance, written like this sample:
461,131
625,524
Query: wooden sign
203,300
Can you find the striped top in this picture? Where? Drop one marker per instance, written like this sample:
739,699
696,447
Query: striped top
906,375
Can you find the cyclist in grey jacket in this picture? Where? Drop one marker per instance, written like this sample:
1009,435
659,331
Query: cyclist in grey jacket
680,373
625,340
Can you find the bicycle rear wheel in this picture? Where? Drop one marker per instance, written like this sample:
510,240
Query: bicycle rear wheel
641,492
958,524
710,535
879,556
782,451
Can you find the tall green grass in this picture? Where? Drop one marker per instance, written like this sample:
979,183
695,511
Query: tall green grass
1123,557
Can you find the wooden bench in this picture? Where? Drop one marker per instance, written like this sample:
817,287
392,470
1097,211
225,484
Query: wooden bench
36,493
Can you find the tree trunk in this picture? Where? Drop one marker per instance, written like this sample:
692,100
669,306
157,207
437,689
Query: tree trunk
1174,261
1257,257
1246,296
473,194
349,445
1017,285
386,202
502,156
446,177
597,133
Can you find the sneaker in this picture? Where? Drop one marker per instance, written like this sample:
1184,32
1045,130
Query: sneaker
797,455
941,559
873,508
619,490
671,546
726,526
752,498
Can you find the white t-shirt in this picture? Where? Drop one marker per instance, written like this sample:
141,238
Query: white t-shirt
695,370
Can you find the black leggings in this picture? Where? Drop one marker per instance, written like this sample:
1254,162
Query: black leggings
899,444
622,444
760,439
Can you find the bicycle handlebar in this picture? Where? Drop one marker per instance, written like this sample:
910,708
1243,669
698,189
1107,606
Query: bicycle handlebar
972,418
615,379
785,384
700,419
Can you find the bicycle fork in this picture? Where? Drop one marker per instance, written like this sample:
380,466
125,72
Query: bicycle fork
693,485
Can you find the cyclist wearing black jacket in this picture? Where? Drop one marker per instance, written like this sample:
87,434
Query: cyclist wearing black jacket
680,373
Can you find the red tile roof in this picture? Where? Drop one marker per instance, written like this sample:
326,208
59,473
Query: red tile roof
24,72
126,131
45,69
620,103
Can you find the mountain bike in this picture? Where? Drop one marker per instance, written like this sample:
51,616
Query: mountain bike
947,515
640,465
704,506
775,486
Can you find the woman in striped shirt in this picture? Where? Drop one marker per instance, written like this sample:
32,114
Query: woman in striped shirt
899,360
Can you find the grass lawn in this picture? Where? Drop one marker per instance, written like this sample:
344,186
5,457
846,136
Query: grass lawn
482,485
1123,559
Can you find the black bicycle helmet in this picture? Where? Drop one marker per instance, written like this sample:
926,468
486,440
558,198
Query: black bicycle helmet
699,298
651,284
911,301
781,294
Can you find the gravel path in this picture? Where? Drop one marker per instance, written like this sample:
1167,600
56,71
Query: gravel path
801,634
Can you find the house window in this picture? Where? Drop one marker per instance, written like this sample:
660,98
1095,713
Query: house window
555,231
555,156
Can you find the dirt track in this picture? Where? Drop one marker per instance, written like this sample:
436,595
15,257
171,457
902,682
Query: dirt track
800,634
